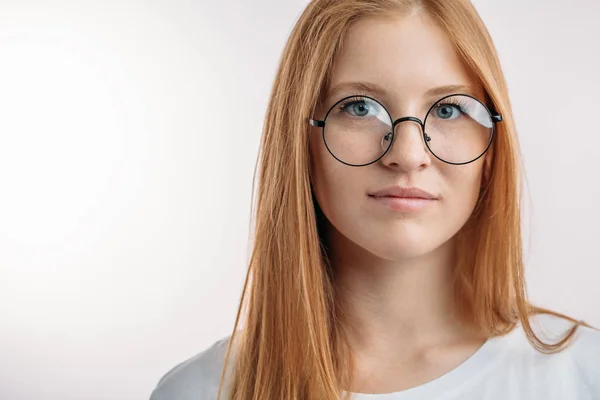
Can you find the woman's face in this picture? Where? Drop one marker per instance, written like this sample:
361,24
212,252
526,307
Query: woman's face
406,57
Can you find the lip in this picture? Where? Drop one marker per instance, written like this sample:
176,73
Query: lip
406,199
403,193
404,204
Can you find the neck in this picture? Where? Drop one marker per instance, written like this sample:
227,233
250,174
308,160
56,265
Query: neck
396,308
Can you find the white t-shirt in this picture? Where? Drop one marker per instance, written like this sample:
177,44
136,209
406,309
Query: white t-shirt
503,368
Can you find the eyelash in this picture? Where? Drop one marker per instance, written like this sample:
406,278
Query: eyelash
360,97
348,102
453,102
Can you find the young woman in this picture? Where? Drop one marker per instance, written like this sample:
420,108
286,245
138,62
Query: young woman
387,260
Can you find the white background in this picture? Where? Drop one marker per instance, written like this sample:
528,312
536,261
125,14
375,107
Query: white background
128,139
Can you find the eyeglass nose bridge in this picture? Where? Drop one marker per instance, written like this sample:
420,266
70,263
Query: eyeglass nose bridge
412,119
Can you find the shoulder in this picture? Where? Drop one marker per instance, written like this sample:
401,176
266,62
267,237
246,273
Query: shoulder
585,353
196,378
585,341
583,350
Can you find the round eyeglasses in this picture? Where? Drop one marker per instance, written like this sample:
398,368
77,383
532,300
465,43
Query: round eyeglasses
358,130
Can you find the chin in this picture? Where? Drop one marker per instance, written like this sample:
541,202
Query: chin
401,247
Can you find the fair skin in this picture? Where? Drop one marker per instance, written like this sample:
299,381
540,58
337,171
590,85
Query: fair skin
393,269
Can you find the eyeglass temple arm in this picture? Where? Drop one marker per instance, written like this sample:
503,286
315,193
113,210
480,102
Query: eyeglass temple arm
316,122
497,118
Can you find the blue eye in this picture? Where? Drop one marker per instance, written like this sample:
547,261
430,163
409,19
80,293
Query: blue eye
449,110
357,107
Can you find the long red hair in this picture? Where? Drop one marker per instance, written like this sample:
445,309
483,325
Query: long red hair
292,345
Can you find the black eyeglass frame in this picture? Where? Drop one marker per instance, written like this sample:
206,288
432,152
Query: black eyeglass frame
495,117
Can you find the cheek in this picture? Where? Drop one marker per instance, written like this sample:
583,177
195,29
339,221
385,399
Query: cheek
338,188
462,186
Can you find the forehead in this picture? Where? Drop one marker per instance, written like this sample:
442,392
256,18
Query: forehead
406,54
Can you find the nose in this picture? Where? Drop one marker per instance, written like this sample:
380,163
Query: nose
408,150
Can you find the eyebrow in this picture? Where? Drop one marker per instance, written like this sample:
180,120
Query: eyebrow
379,91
